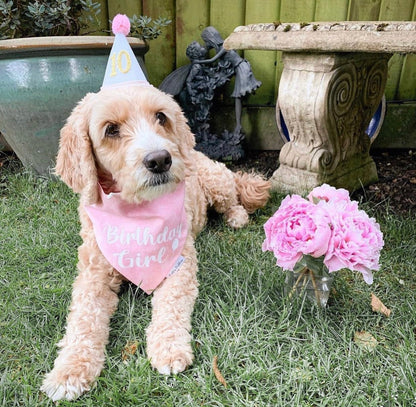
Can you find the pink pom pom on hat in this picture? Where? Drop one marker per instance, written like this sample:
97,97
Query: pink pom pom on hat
121,24
122,66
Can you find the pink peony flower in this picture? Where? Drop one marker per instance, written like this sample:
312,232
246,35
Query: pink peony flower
328,194
355,243
298,227
327,225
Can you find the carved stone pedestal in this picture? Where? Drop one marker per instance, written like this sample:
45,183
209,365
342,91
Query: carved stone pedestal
332,83
327,101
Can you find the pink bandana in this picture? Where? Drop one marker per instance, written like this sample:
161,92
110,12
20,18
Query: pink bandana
141,241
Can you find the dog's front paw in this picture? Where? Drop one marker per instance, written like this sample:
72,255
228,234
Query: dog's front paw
236,217
171,360
59,385
168,355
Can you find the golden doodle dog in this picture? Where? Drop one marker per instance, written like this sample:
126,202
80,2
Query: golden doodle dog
137,144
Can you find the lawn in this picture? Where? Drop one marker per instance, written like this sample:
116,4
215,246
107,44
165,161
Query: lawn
271,351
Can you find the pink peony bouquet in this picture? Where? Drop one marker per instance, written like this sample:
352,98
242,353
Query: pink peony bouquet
326,228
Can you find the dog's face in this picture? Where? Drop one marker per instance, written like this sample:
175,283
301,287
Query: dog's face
135,143
134,140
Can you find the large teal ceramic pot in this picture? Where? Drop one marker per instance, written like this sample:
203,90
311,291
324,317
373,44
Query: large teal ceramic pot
41,80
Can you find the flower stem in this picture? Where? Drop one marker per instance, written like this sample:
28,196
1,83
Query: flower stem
301,275
318,297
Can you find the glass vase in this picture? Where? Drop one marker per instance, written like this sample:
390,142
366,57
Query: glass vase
305,283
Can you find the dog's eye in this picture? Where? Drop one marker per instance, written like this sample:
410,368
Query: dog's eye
161,118
112,130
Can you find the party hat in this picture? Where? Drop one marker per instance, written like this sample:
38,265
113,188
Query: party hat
122,66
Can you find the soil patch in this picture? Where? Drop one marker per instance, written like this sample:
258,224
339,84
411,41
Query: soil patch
396,169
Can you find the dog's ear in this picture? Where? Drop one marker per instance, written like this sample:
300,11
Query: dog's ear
75,163
184,133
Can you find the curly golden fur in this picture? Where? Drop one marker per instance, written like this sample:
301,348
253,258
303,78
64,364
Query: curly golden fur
105,141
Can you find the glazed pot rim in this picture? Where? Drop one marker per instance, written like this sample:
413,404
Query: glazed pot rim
17,45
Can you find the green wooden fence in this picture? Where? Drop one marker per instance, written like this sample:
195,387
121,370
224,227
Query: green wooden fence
190,17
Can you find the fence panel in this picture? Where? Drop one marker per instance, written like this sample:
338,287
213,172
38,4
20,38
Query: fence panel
331,10
263,63
407,85
127,7
190,17
161,57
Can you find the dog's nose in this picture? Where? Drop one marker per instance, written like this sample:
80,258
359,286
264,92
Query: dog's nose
158,161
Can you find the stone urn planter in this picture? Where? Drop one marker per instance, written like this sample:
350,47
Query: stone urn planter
3,144
42,79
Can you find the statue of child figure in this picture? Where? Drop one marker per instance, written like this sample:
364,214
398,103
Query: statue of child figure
194,87
245,82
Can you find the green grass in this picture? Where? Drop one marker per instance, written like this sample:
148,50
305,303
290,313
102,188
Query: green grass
272,352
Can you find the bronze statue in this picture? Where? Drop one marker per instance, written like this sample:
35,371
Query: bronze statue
194,86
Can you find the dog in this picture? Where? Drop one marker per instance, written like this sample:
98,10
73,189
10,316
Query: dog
137,144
